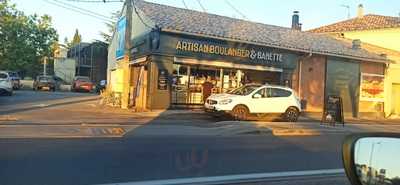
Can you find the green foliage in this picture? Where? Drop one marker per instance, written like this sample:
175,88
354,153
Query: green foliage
110,28
25,40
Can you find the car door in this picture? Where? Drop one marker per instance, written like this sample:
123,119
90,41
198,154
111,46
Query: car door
278,99
258,101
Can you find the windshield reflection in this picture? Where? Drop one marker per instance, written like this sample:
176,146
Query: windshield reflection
244,90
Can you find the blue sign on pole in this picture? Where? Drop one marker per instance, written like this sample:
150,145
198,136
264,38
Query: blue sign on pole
121,26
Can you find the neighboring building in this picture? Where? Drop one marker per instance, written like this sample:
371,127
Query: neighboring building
63,67
175,50
381,35
91,60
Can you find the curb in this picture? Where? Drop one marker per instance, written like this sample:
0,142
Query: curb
295,132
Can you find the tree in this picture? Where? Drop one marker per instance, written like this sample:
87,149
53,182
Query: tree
76,39
110,27
66,42
25,40
396,181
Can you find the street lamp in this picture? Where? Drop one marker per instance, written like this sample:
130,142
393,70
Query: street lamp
370,161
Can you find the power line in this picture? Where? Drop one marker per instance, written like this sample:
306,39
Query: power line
97,1
236,10
184,4
202,7
76,11
73,6
140,17
348,10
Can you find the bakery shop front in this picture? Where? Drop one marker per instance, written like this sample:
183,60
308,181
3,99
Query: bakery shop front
188,69
180,56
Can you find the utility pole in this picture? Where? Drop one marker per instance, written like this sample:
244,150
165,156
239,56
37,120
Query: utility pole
125,64
129,5
44,66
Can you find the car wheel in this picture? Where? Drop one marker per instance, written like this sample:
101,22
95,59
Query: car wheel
291,114
240,112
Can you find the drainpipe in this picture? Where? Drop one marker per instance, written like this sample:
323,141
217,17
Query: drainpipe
300,70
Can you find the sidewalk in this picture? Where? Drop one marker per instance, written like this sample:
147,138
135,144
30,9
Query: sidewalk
220,129
392,121
109,130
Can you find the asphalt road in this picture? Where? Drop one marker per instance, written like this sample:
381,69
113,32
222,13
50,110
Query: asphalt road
96,161
141,158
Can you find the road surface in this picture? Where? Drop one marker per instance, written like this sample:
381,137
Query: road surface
97,161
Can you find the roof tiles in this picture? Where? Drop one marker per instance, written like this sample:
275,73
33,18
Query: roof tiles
366,22
205,24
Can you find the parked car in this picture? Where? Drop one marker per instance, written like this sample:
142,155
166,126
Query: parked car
256,99
59,81
82,83
6,87
15,79
44,82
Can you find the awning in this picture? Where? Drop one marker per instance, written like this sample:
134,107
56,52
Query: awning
138,61
223,64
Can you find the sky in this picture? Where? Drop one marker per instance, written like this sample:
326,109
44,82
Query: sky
384,155
313,13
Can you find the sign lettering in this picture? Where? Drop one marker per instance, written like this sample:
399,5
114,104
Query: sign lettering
198,47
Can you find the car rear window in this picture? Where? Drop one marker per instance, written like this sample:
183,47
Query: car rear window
13,74
275,92
83,79
3,76
44,79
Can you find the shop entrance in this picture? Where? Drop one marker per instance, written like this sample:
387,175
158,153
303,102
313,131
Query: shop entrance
192,84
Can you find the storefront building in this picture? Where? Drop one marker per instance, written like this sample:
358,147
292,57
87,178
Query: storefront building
174,51
379,34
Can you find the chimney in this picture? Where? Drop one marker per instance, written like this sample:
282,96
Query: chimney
356,44
296,21
360,11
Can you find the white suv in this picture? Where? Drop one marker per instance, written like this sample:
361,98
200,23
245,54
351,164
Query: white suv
6,86
256,99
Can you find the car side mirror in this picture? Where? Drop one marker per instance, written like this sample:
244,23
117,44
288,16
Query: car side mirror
257,96
372,159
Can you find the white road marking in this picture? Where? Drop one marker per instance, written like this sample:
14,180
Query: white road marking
235,178
40,105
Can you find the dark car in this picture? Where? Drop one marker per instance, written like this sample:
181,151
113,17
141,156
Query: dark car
15,79
59,81
101,86
44,82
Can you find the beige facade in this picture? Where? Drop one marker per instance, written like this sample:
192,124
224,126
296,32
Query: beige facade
383,41
65,68
388,38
